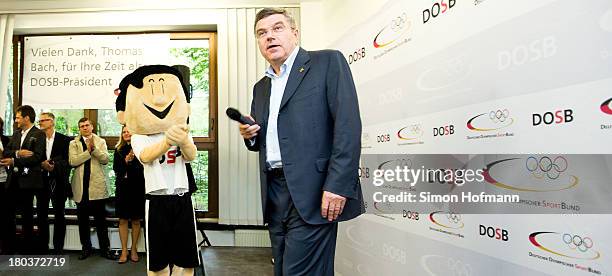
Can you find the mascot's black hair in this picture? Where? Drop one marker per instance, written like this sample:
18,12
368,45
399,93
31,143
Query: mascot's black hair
135,78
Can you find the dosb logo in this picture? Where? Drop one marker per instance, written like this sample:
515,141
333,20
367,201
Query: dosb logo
364,172
444,130
437,9
357,55
383,138
494,233
533,51
557,117
410,215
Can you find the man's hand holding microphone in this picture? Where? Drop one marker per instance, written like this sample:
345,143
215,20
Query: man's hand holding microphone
248,127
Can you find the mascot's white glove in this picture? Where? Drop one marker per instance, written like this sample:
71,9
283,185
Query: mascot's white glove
177,135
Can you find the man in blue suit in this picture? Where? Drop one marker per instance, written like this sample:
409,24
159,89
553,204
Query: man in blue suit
308,135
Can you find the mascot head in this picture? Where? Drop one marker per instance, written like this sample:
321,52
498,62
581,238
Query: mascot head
152,99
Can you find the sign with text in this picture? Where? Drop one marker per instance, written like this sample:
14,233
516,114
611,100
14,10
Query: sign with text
82,71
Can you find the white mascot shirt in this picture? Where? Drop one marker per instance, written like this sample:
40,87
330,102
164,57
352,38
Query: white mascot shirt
167,175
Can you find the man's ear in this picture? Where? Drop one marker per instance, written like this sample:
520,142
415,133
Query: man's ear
121,117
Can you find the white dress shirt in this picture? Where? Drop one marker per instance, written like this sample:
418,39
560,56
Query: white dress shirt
273,154
50,145
24,133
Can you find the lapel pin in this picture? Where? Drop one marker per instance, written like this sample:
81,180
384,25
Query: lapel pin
301,69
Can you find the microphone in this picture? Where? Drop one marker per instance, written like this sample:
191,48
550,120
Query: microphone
235,115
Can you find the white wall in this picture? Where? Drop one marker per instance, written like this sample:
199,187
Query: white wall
325,21
311,25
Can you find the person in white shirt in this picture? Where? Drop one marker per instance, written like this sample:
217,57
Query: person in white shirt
56,171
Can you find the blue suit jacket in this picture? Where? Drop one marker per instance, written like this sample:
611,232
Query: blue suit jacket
319,133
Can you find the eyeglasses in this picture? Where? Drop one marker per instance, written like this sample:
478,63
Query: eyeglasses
44,120
261,33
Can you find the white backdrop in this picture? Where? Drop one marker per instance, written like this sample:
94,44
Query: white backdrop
495,77
82,71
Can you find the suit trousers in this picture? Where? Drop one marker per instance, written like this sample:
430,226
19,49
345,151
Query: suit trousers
57,196
7,220
96,209
298,248
26,206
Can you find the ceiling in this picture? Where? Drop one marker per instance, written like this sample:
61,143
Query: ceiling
38,6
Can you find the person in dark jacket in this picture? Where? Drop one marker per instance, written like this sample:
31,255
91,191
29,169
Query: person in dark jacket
22,157
56,172
130,191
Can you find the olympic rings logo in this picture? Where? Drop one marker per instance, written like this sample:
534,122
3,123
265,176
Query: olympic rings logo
499,115
453,217
500,119
459,268
386,208
410,132
454,220
398,22
431,263
577,242
400,163
398,26
552,168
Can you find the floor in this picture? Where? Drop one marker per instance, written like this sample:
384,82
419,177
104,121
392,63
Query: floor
238,261
221,261
94,265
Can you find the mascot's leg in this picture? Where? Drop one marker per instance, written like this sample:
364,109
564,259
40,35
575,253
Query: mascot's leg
180,271
163,272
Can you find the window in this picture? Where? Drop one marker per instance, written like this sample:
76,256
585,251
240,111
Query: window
107,123
195,54
8,114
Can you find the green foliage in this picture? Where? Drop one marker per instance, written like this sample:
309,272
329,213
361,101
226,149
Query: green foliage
110,174
197,59
66,121
200,172
107,123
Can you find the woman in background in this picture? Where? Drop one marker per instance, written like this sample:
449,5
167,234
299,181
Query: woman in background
130,191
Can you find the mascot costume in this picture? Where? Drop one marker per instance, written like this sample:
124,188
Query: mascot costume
153,103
